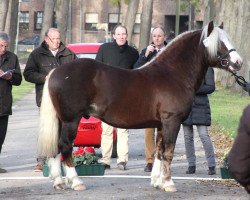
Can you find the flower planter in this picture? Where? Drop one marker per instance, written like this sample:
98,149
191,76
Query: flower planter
225,174
81,170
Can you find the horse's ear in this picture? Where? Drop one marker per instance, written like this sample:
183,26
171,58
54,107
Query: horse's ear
210,28
221,26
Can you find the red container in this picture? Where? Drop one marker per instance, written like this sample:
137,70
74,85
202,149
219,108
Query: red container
89,132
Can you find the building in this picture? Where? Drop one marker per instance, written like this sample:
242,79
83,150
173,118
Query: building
93,21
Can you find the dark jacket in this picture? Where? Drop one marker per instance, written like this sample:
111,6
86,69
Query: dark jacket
117,56
200,113
40,62
9,61
143,60
239,155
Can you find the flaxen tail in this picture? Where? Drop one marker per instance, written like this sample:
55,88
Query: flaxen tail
49,125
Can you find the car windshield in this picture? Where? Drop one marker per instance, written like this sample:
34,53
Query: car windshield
86,55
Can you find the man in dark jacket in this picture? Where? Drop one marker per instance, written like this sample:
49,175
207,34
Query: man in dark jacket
239,156
117,54
159,37
200,116
51,54
10,74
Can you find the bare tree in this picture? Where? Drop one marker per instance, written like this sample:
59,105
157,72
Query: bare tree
62,18
3,13
11,25
147,11
130,17
48,16
236,18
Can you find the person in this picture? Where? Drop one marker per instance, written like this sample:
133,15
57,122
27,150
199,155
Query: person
117,54
49,55
158,37
200,116
10,74
239,155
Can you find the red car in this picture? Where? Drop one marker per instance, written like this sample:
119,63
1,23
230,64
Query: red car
89,130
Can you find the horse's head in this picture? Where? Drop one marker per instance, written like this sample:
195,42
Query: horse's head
220,50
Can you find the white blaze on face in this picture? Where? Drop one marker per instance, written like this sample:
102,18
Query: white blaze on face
234,56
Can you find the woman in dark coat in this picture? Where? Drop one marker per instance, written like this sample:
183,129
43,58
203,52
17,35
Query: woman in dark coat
239,156
200,116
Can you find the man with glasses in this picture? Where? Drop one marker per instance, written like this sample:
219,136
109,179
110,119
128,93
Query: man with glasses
10,74
118,54
50,54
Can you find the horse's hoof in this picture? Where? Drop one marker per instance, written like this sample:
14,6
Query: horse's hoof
170,188
79,187
60,187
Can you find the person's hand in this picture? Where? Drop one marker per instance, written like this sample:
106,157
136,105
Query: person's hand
246,87
149,50
7,76
1,72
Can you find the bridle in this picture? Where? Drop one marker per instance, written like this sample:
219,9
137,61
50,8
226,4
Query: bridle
225,62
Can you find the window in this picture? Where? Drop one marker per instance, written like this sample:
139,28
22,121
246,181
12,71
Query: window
24,21
24,17
91,20
113,20
137,23
38,20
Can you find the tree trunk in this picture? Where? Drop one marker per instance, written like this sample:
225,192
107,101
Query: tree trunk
130,17
11,25
146,21
62,18
4,4
236,18
47,17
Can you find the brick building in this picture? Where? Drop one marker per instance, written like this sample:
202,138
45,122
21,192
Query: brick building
92,21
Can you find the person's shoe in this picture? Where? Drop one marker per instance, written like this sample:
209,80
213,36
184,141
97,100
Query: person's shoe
191,170
148,167
211,171
38,167
3,170
121,165
106,166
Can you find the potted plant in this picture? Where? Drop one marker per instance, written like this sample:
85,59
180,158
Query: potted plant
225,174
85,161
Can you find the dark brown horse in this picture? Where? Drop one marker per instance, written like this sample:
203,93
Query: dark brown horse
159,94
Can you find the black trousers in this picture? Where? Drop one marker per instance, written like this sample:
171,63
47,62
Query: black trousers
3,129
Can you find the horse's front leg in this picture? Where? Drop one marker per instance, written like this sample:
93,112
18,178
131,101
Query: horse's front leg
156,171
68,132
170,132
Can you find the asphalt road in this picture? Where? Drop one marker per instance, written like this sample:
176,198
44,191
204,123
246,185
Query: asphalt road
21,182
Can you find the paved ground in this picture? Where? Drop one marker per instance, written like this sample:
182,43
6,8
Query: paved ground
19,158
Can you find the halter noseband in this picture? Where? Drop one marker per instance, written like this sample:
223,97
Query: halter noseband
225,62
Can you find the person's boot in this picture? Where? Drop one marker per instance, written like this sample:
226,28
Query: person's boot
3,170
191,170
211,171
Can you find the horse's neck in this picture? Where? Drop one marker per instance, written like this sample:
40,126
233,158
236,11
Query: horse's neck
188,59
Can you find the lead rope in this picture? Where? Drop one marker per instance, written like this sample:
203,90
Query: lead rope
242,82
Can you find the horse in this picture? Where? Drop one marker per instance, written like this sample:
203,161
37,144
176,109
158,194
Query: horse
157,95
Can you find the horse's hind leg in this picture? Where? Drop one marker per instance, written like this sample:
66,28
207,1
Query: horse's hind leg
67,136
55,174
